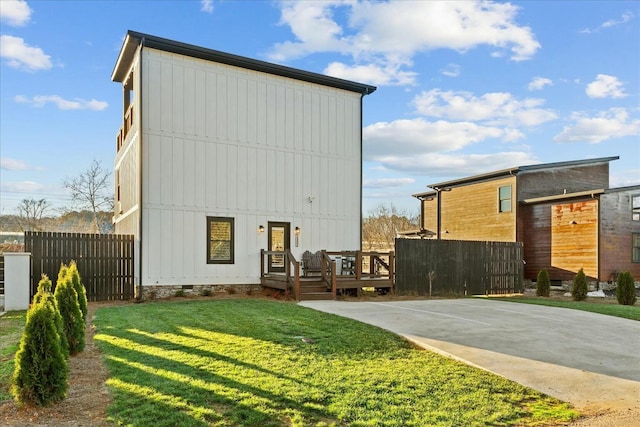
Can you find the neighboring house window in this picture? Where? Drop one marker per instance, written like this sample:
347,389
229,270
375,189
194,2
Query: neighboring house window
504,199
635,207
219,240
635,256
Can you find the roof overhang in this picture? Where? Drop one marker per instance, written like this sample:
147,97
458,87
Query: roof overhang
423,232
134,39
564,196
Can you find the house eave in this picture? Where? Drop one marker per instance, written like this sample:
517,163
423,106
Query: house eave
589,193
134,39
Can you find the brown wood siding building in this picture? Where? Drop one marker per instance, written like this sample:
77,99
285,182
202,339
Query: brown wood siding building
564,213
562,237
616,230
471,212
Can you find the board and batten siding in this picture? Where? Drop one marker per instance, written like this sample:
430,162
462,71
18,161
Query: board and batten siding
226,141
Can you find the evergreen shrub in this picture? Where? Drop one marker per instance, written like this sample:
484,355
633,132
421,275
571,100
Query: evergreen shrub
543,285
44,294
625,289
580,286
41,374
80,289
72,321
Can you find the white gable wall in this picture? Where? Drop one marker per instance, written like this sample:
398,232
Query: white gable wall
225,141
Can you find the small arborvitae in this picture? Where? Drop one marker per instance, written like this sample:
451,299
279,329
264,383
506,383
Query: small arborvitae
543,285
72,321
626,289
41,375
580,286
44,294
79,287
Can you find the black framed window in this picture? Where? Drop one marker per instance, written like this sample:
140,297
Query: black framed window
220,240
635,250
635,207
504,199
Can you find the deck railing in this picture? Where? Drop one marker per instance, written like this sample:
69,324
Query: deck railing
358,269
291,270
126,127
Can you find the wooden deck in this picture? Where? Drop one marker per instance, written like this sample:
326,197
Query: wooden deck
341,271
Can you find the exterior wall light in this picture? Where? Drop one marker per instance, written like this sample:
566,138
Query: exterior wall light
297,233
261,229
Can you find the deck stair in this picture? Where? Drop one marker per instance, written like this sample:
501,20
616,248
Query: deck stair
314,289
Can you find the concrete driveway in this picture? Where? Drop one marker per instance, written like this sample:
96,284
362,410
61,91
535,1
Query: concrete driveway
587,359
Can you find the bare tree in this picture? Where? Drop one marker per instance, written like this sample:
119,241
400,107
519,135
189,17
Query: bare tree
30,213
380,228
90,190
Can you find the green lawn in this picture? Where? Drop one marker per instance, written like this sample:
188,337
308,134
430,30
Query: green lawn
244,363
608,306
11,327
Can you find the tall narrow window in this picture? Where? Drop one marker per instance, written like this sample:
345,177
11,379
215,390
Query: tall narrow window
219,240
504,199
635,207
635,251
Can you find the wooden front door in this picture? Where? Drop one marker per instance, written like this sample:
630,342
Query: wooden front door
278,241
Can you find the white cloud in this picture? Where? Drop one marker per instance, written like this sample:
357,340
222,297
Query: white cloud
457,165
206,6
372,74
605,86
20,55
62,104
538,83
387,182
15,12
614,123
415,137
10,164
494,108
23,187
451,70
389,34
626,17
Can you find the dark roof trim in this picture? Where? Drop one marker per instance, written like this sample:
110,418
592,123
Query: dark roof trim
425,195
134,39
619,189
520,169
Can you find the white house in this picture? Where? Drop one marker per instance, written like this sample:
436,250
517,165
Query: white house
220,156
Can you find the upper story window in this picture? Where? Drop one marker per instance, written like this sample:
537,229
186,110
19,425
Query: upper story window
504,199
220,240
635,207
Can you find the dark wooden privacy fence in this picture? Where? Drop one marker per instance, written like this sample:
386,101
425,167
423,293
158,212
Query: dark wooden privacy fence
444,267
105,261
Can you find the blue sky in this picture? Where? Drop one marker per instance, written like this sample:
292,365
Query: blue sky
463,87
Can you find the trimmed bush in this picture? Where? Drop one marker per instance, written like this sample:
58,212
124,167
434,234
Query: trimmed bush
80,289
44,295
72,320
41,375
580,286
625,289
543,285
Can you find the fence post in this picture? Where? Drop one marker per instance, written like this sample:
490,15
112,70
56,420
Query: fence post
17,280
